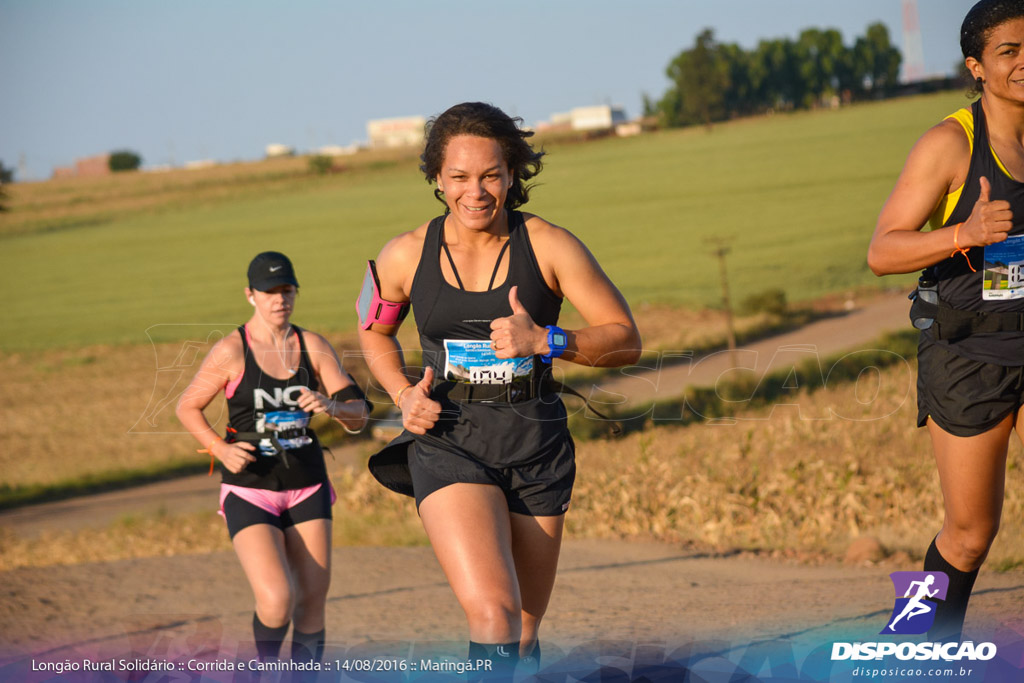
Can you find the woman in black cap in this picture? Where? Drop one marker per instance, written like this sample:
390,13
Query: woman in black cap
275,494
965,177
491,462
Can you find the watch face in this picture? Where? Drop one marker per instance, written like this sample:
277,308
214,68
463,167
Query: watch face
558,339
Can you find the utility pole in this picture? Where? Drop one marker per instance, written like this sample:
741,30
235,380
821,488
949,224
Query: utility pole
913,53
721,248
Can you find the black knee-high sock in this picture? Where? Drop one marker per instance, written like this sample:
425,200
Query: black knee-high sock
950,613
307,646
530,664
501,656
268,640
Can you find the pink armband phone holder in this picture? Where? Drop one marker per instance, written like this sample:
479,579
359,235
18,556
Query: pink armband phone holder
374,309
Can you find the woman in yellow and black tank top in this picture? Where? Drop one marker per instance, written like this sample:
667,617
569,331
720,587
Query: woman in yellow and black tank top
965,177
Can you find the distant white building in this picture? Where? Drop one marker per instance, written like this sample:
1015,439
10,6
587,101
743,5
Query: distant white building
599,117
406,131
278,150
337,150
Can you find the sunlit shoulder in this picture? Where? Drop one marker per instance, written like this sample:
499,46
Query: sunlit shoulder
397,261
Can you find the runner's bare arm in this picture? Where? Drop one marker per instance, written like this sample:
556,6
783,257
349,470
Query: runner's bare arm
396,267
223,363
611,338
332,378
936,166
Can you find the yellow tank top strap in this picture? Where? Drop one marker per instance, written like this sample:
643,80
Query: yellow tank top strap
946,205
945,208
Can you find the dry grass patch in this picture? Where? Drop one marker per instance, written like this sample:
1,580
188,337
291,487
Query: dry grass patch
779,481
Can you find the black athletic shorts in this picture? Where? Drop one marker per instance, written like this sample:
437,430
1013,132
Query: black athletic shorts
240,513
965,397
538,488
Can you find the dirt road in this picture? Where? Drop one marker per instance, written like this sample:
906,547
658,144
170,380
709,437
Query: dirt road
671,374
626,599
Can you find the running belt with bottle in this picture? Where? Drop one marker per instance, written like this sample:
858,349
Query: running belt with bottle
477,395
264,411
959,287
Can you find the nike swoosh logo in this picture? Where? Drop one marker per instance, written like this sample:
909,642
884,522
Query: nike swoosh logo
276,268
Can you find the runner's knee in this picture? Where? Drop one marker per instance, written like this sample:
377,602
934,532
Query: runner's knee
495,615
274,604
970,542
311,598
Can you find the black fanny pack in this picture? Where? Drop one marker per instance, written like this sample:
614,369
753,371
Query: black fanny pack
516,391
275,438
953,323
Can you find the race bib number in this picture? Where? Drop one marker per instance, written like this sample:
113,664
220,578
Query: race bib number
1004,270
279,421
473,361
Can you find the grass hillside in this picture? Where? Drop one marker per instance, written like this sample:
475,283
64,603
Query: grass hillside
139,257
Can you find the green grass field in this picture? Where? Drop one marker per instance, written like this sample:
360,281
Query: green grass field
798,194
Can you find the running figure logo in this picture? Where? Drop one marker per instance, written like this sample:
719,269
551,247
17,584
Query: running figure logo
914,612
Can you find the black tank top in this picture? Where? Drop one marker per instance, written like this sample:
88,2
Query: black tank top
259,398
443,311
961,288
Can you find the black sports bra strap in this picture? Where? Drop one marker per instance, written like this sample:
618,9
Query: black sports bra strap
497,264
494,273
304,359
444,245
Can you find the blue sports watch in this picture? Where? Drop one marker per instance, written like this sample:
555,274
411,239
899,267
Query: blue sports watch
557,341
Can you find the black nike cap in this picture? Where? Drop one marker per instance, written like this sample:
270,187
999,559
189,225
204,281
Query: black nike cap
271,269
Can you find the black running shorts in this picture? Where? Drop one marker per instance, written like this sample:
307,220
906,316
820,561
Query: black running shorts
539,488
239,513
962,396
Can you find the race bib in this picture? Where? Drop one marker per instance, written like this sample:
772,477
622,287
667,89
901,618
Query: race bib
281,420
1004,270
473,361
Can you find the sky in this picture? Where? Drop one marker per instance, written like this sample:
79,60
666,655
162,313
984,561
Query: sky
216,79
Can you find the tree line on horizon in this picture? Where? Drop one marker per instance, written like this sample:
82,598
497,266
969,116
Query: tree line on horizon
714,81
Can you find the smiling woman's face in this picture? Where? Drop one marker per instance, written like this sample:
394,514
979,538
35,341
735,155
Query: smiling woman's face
1001,67
475,180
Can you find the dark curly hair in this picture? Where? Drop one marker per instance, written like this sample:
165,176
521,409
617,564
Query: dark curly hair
978,26
485,121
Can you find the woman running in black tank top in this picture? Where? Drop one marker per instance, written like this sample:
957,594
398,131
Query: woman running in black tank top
275,496
970,375
491,460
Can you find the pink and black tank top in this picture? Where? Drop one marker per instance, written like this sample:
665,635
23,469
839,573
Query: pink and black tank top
264,405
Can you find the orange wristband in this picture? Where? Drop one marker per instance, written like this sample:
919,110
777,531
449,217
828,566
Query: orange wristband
398,398
958,249
209,449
